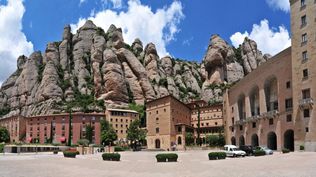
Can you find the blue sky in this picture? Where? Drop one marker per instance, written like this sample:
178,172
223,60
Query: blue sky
183,27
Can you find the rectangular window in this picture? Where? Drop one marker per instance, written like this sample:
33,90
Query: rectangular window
240,127
254,125
303,3
306,93
157,130
270,121
304,38
303,21
304,56
306,129
288,103
305,73
289,118
288,84
306,113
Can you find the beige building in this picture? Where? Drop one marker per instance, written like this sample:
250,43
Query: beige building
303,28
16,127
284,115
258,109
168,121
211,118
120,120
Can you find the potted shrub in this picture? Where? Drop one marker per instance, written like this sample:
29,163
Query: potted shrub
55,151
212,156
302,148
284,150
216,155
167,157
161,158
111,156
70,154
259,153
118,149
172,157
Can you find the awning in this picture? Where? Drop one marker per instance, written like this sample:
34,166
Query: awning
62,139
29,139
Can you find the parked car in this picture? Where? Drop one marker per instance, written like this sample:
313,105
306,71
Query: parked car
265,149
247,148
233,151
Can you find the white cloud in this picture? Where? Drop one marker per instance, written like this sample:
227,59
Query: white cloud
269,40
283,5
81,2
139,21
13,41
117,4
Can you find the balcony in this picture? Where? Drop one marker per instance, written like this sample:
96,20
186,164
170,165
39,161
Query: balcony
240,122
271,114
306,103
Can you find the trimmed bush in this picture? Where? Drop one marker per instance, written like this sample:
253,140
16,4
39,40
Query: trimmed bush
1,148
168,157
302,148
118,149
55,152
259,153
284,150
161,158
111,156
216,155
70,154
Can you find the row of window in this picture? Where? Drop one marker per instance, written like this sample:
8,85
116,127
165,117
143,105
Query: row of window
116,120
202,124
63,119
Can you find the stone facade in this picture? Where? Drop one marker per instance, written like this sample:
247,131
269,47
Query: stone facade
16,127
168,121
287,119
258,109
120,120
40,127
303,71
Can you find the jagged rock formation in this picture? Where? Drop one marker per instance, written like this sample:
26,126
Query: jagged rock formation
251,56
92,69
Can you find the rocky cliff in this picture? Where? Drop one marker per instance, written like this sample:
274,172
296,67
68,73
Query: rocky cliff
94,69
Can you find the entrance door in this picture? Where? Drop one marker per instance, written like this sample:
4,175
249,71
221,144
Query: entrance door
157,144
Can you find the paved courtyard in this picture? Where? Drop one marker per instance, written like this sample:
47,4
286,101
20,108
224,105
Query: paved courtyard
143,164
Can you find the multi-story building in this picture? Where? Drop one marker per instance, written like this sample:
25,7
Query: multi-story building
41,128
211,118
168,121
284,116
303,29
16,127
258,110
120,120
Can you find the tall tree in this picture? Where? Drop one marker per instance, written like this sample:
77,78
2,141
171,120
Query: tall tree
135,134
89,132
70,129
4,135
108,134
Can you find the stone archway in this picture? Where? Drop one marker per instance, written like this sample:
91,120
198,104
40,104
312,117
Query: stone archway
241,140
233,140
272,141
157,144
289,140
254,140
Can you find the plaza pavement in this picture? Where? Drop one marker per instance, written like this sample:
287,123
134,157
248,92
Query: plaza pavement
143,164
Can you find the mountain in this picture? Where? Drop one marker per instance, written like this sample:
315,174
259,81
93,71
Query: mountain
94,69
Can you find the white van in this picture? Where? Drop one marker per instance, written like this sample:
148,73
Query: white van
233,151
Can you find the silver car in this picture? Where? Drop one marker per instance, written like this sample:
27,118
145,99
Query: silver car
266,150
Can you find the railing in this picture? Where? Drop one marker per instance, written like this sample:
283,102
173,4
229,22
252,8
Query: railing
307,102
271,114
